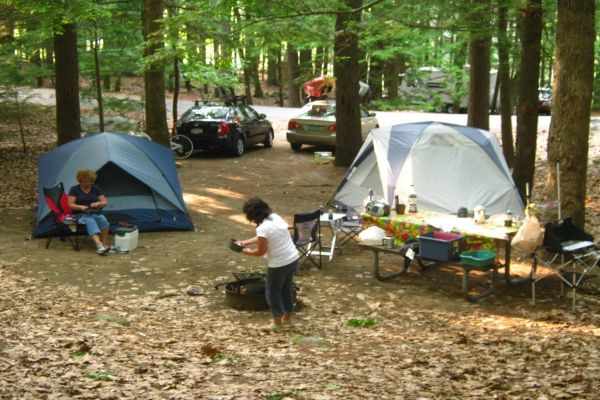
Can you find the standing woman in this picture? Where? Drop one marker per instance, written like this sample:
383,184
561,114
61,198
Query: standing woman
274,242
87,200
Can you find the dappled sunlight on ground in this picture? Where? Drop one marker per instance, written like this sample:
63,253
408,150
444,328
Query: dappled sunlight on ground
203,204
224,192
239,218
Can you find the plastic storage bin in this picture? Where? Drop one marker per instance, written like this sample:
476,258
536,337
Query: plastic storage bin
478,258
126,237
440,246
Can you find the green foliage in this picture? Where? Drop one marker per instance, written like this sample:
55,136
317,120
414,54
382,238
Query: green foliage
282,395
220,357
101,376
363,323
112,318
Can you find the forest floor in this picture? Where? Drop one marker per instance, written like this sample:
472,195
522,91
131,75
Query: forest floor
73,324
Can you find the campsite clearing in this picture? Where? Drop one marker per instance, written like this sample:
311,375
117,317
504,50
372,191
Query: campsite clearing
121,326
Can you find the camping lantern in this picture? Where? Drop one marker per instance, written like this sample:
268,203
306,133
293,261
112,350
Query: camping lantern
479,215
412,203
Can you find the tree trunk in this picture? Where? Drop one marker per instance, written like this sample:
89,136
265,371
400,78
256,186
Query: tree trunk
154,74
527,101
306,68
272,60
505,87
280,76
294,73
176,89
98,81
571,103
247,78
376,79
479,73
319,58
258,92
37,61
68,124
49,61
176,73
459,58
391,81
106,83
347,71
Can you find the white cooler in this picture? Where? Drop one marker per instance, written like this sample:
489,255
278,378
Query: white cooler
126,237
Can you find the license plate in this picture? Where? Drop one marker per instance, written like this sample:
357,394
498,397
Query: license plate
197,130
315,128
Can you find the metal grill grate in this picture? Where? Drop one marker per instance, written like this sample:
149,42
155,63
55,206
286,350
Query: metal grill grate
249,275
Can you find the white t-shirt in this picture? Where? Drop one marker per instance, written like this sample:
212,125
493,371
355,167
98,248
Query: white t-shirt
281,249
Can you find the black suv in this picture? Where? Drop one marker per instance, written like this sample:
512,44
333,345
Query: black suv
231,126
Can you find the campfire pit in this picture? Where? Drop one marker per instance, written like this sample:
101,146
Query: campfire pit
247,292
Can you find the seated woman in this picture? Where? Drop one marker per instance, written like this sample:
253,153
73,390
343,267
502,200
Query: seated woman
87,200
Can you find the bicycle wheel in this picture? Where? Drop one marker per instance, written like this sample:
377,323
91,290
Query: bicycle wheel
182,146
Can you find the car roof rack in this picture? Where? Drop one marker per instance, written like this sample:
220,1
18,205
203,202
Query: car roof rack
205,103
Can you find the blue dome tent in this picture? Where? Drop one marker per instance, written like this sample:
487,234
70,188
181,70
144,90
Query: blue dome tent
137,176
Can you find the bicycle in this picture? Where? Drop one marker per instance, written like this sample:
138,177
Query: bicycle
182,146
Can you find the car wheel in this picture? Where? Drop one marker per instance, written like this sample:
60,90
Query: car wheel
296,146
238,147
268,143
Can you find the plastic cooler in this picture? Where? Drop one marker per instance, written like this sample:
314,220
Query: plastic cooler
126,237
440,246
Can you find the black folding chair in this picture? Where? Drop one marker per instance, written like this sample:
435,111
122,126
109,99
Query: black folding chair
568,252
348,231
306,236
62,225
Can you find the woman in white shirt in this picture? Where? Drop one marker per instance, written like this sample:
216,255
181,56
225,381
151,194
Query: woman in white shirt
274,242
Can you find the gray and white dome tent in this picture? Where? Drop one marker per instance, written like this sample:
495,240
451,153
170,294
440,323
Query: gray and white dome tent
448,166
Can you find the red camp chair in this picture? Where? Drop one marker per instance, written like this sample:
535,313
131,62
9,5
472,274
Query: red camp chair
63,224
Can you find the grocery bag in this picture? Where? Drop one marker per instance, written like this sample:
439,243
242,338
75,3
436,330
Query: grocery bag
531,234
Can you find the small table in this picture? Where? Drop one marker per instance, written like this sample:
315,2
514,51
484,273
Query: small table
333,224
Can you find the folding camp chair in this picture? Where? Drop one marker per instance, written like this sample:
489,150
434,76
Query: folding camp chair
307,237
348,230
568,252
63,224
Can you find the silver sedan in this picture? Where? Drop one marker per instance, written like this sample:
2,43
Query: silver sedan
315,125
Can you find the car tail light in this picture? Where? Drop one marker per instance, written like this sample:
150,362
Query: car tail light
223,129
292,125
331,128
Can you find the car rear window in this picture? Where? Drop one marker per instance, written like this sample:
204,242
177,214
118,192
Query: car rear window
208,112
320,111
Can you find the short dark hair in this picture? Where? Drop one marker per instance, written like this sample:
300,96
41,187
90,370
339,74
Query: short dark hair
256,210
